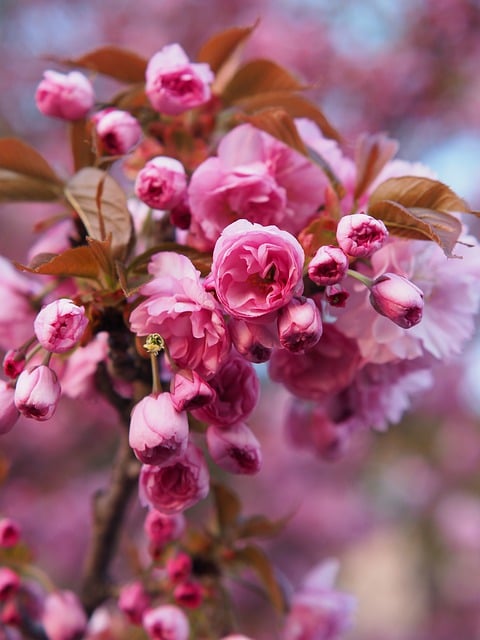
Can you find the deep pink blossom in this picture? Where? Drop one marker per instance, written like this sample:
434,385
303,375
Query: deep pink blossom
134,601
60,325
336,295
179,567
161,528
174,84
68,96
256,269
9,413
235,449
166,622
161,183
117,131
237,390
9,583
299,324
158,432
13,363
189,391
189,594
176,485
254,341
398,299
184,314
254,177
63,617
359,235
9,532
37,393
328,265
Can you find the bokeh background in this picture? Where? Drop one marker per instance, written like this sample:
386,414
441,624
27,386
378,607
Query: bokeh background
401,510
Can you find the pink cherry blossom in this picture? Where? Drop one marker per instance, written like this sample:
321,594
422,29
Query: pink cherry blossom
63,617
256,269
134,601
397,299
183,313
235,449
161,528
359,235
117,131
9,532
328,266
9,413
13,363
37,393
166,622
254,341
174,84
68,96
299,324
60,325
179,567
177,484
254,177
189,391
158,432
161,183
188,594
9,583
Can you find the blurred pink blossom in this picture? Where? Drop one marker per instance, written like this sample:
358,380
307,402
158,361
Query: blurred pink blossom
117,131
235,449
166,622
68,96
63,617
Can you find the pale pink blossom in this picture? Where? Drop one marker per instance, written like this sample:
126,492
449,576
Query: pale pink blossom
256,269
134,601
9,532
328,266
166,622
63,617
254,341
9,413
37,393
237,390
60,325
177,484
183,313
359,235
254,177
68,96
174,84
398,299
117,131
299,324
54,239
161,528
158,432
162,183
235,449
189,391
78,376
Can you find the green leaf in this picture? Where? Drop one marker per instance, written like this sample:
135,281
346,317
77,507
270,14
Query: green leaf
259,76
227,506
113,61
372,152
255,558
77,262
101,204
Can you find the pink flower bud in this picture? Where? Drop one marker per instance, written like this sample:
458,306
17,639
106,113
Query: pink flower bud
190,391
117,131
8,411
179,567
134,601
328,265
13,363
161,183
177,485
63,617
9,532
174,84
235,449
359,235
162,529
253,341
9,583
60,325
188,594
398,299
299,325
166,622
158,431
37,393
336,295
68,96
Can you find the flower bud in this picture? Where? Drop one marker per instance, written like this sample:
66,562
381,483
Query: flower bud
158,431
68,96
179,567
13,363
9,583
254,342
63,617
189,391
336,295
398,299
37,393
328,265
8,411
299,325
9,533
166,622
117,131
161,183
188,594
359,235
161,528
60,325
235,449
134,601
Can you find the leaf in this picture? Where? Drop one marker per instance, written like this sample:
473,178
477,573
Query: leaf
77,262
255,558
227,506
372,153
295,105
280,125
101,204
261,527
116,62
15,187
82,144
425,193
259,76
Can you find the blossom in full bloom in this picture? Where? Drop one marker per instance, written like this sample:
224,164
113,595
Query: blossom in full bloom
161,183
158,431
117,131
256,269
299,324
328,266
235,449
187,317
63,617
68,96
60,325
37,393
174,84
398,299
177,484
359,235
257,178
